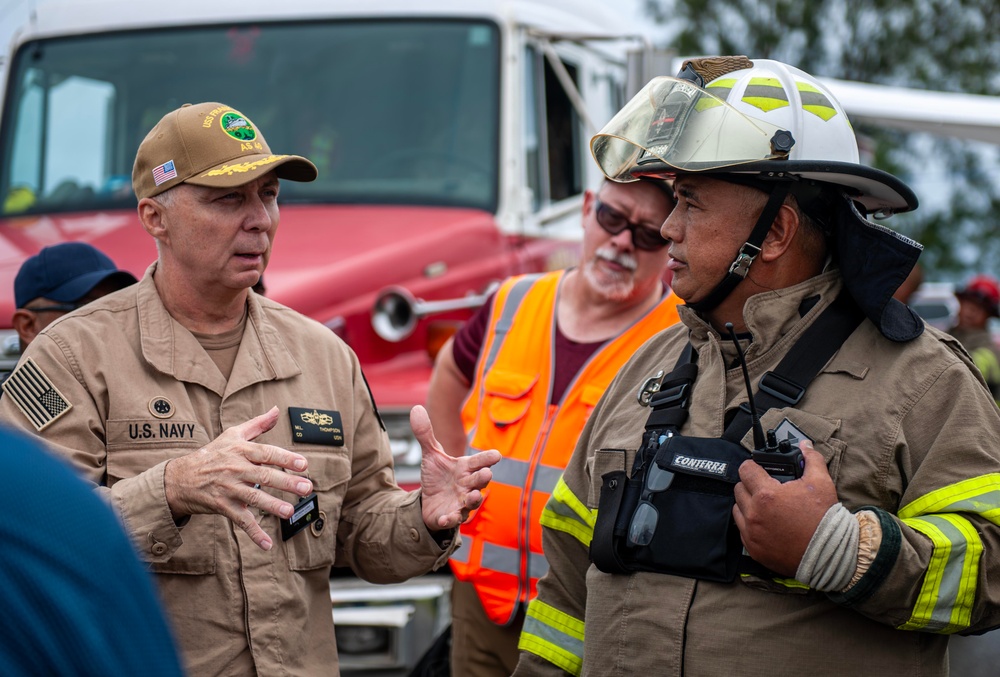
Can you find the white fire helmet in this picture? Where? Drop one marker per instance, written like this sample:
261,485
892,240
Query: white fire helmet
733,115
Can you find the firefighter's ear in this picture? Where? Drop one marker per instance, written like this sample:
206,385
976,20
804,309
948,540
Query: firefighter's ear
152,215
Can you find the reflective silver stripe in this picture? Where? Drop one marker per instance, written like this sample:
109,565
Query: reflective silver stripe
951,575
560,508
501,558
463,551
546,478
506,321
511,472
533,626
508,561
503,325
471,450
538,566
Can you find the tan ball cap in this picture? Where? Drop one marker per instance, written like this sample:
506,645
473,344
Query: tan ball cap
209,144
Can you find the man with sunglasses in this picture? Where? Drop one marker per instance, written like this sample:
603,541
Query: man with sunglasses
522,377
58,280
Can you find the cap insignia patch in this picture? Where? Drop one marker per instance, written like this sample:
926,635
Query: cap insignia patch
237,126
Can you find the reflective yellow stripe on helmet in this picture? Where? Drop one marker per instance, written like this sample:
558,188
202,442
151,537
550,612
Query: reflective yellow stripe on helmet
567,513
815,101
720,88
948,592
553,635
766,94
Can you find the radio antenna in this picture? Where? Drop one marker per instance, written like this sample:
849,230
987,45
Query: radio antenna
758,431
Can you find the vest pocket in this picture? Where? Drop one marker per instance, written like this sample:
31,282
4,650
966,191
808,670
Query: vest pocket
313,547
508,396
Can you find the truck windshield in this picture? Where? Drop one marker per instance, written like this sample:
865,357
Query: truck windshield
397,112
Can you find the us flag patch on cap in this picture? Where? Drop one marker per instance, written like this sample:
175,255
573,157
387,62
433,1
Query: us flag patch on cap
35,395
164,172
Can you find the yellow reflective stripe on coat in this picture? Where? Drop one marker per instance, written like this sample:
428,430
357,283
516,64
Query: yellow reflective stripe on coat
987,364
567,513
948,592
553,635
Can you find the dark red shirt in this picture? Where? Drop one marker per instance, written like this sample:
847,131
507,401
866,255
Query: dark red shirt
569,358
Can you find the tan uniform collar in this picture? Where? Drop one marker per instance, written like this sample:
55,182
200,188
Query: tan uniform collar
173,350
769,316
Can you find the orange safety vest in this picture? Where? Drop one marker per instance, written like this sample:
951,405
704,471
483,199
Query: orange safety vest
508,409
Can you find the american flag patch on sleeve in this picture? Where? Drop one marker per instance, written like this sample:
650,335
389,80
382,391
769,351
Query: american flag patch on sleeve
164,172
36,397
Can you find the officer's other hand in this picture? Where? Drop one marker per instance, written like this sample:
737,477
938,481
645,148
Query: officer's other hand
776,521
222,478
451,487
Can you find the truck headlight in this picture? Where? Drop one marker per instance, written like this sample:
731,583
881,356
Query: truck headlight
362,639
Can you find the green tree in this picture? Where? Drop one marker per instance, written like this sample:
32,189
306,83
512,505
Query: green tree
947,45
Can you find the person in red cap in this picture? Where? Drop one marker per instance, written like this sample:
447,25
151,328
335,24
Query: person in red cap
59,279
978,301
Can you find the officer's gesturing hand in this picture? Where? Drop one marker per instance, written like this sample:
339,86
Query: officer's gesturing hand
221,478
776,520
451,487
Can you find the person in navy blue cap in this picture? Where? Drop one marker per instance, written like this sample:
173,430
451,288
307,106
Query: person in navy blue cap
76,599
58,280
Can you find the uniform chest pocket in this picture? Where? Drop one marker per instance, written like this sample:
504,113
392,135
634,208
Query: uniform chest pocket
508,396
794,424
314,546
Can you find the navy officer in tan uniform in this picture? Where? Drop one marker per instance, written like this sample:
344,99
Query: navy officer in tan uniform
236,438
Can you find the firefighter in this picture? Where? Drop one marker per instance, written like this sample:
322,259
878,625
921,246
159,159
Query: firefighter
876,535
521,377
978,301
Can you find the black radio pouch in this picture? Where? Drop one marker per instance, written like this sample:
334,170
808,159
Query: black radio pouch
694,534
673,515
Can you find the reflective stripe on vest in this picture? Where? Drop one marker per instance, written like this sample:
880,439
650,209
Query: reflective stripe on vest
511,303
509,409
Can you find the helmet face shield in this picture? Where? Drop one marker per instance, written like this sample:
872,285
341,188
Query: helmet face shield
675,123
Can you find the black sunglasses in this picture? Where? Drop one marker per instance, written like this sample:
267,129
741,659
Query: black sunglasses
643,524
614,222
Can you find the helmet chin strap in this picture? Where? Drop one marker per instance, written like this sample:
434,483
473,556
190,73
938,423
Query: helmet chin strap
748,252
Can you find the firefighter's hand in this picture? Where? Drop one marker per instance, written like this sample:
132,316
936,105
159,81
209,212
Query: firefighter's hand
776,521
226,477
451,487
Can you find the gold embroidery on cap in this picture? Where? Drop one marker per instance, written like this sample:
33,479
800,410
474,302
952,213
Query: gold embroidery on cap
229,170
